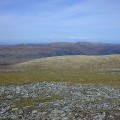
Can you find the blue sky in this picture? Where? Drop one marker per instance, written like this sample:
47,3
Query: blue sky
59,20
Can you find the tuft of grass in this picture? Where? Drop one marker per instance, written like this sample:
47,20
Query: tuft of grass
29,102
2,99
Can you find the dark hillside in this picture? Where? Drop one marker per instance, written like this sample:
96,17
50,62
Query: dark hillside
10,54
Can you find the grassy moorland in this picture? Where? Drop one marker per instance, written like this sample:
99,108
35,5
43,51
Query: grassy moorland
77,69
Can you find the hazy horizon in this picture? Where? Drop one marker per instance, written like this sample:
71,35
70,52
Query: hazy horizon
61,41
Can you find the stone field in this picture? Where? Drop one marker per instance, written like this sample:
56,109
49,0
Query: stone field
59,101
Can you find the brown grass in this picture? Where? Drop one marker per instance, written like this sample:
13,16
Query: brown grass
77,69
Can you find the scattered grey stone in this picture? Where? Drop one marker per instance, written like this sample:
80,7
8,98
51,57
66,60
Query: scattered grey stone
74,102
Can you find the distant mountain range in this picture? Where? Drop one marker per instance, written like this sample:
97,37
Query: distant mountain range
10,54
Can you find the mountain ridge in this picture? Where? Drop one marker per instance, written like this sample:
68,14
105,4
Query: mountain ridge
10,54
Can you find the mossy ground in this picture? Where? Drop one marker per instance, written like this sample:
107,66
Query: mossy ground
29,102
75,69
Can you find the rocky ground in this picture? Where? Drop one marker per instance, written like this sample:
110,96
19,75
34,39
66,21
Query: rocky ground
59,101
